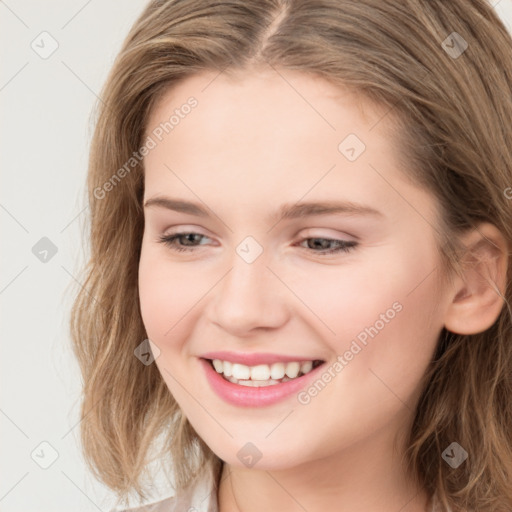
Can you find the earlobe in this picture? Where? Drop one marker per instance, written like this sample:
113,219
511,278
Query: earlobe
477,295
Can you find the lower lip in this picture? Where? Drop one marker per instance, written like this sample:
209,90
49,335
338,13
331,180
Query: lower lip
245,396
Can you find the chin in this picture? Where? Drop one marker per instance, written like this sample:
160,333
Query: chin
261,456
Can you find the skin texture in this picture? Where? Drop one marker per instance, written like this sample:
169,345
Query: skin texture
251,144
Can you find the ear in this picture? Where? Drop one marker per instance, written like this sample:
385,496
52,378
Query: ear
477,295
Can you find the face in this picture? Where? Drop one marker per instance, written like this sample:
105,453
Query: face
353,286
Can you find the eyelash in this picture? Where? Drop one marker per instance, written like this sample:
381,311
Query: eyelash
344,246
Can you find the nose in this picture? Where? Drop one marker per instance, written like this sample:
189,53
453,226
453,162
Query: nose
250,298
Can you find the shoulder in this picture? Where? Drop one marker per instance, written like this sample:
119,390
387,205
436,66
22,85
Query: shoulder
199,496
166,505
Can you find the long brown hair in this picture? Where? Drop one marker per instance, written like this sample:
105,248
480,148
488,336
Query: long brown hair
452,106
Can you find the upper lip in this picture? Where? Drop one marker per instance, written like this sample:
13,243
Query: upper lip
252,359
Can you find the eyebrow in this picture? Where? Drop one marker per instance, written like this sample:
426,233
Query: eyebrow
287,211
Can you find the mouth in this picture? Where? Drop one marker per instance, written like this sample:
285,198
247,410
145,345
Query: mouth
262,375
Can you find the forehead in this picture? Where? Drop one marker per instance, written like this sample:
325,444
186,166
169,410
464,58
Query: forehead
306,95
259,134
264,111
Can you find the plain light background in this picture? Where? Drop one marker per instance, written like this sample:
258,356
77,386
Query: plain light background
47,105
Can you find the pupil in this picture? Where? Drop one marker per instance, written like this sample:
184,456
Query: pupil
320,242
190,237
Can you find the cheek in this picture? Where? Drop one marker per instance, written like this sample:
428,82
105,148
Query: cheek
167,297
385,334
398,343
382,312
154,295
170,295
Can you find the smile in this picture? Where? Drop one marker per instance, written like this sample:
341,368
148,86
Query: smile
259,385
262,374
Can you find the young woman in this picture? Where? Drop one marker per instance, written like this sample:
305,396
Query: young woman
299,286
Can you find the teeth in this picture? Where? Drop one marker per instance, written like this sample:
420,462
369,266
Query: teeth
228,369
277,370
240,371
219,367
292,370
257,383
262,374
306,367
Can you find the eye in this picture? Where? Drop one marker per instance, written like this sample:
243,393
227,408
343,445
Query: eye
322,243
185,241
171,240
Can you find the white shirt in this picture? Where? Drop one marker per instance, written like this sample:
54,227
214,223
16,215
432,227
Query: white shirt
201,496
